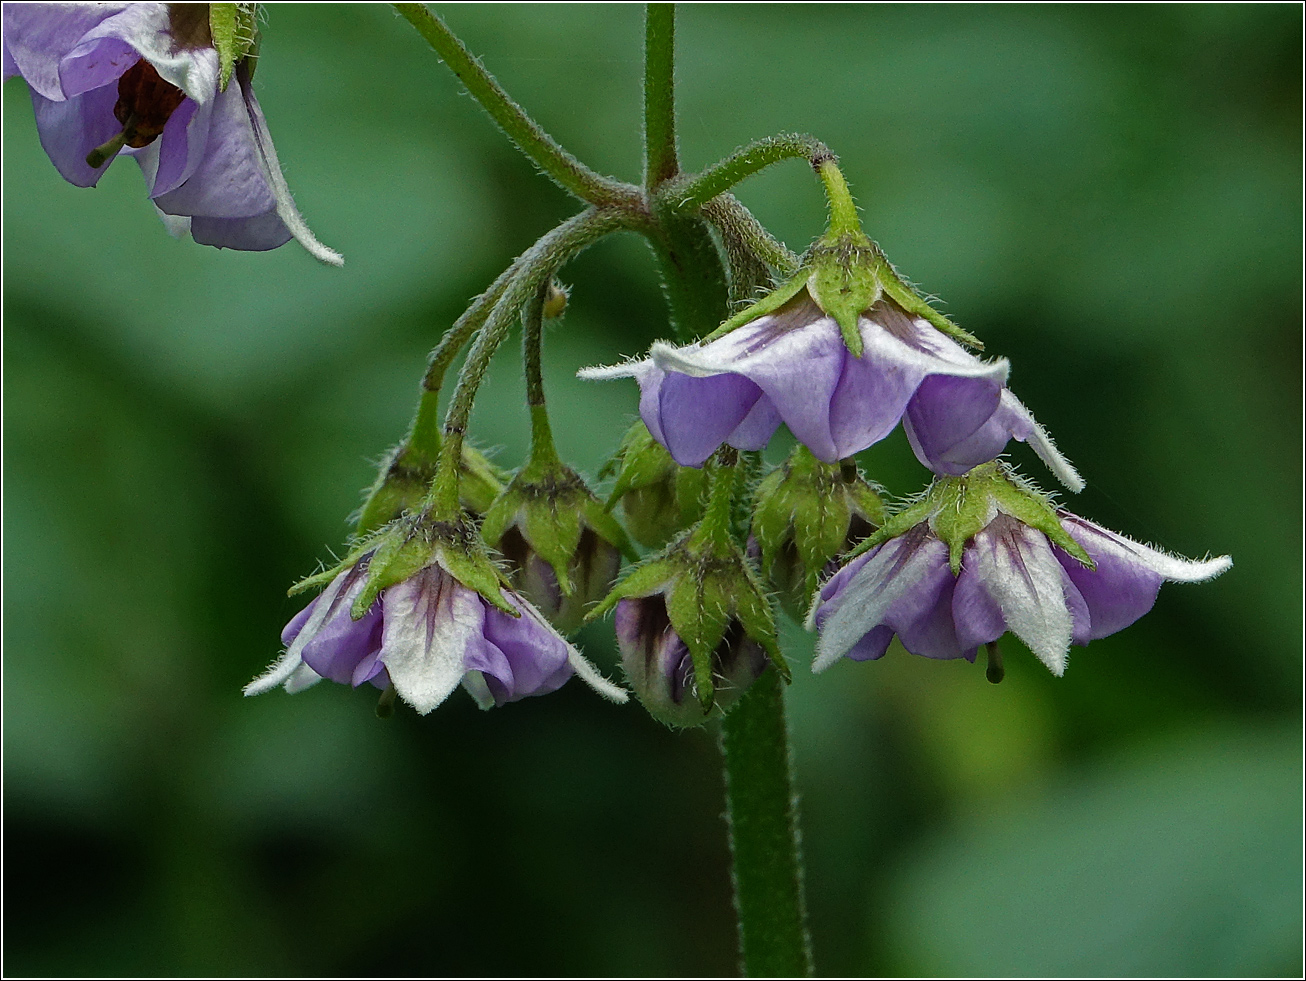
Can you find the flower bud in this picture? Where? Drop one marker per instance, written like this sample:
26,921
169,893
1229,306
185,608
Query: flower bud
563,549
695,628
660,668
807,514
405,478
659,497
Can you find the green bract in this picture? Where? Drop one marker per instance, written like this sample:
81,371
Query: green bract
958,508
234,27
806,514
708,587
659,497
547,514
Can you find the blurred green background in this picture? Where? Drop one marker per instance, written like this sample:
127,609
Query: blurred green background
1109,196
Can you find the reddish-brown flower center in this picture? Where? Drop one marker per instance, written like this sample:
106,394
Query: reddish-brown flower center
145,104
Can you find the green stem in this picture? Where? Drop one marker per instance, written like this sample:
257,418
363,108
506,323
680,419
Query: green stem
735,222
660,161
714,527
694,192
532,140
534,268
843,212
542,448
762,811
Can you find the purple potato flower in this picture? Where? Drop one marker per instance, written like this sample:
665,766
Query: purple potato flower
793,366
1011,578
143,79
425,636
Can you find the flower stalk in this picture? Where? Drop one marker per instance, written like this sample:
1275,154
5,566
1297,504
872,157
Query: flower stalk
529,137
660,159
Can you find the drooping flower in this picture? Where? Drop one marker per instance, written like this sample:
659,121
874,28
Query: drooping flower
425,635
983,554
148,80
793,364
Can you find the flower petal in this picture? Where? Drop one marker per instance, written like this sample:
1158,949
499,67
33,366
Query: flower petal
38,35
1017,567
900,566
431,622
72,128
1128,575
696,415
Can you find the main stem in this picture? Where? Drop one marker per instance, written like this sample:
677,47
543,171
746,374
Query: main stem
660,160
765,843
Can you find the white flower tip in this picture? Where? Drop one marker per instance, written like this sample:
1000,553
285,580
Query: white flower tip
1054,460
278,672
1200,570
589,674
606,372
1056,662
668,357
316,249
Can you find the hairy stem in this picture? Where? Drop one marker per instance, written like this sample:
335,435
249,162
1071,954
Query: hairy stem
762,811
660,161
532,322
527,134
534,268
693,192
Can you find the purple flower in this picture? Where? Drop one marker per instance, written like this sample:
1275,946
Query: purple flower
143,79
793,366
425,636
660,668
1011,578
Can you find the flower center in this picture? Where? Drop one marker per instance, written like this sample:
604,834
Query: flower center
145,104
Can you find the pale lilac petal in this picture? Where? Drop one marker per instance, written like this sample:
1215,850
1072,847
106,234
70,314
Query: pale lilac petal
922,617
524,655
695,415
302,677
291,630
144,28
758,427
432,623
229,181
975,613
1128,575
1017,568
38,36
180,148
71,129
10,66
341,643
896,570
257,234
953,424
873,646
836,584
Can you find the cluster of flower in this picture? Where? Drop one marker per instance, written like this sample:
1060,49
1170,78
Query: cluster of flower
839,353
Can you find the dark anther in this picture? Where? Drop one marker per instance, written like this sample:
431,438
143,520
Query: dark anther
145,104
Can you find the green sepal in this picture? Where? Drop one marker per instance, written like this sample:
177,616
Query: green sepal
659,496
753,611
469,564
962,509
234,28
324,577
596,515
896,524
914,303
770,303
409,544
866,502
699,609
845,282
1026,504
651,576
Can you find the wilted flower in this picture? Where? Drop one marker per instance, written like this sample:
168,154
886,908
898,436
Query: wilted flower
984,554
660,668
149,80
425,635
